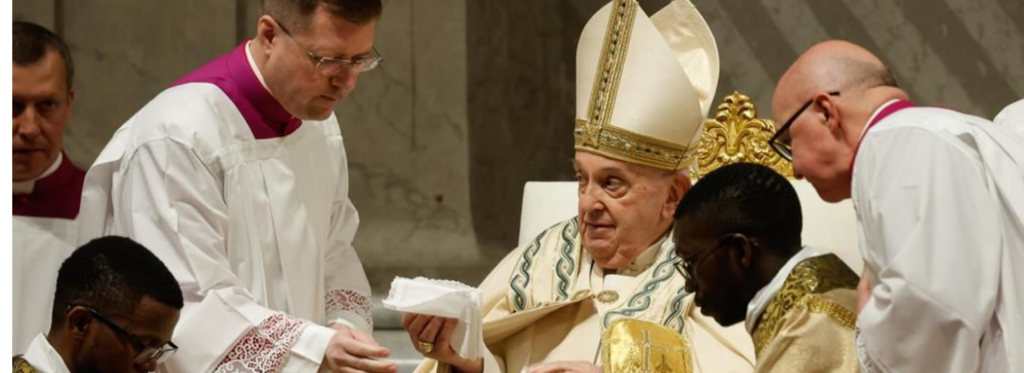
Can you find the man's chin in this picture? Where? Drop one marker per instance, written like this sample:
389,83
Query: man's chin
319,115
726,321
610,263
613,262
25,173
830,194
317,110
598,248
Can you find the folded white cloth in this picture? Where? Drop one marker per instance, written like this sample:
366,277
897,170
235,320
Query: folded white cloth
443,298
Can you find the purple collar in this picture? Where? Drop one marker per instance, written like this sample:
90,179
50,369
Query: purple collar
234,76
58,195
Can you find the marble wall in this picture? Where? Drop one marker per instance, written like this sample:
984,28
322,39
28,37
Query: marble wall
41,12
475,97
963,54
408,138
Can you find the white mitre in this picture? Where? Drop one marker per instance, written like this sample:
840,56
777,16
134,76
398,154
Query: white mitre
644,85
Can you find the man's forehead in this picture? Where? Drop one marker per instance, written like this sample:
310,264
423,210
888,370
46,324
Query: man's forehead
49,69
592,162
784,99
340,36
690,232
150,317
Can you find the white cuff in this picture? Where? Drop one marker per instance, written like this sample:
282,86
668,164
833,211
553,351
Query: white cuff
350,319
308,351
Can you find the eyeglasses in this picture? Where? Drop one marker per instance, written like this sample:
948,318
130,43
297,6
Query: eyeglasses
781,141
146,353
688,265
330,66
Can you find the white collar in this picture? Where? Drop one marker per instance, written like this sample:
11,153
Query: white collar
252,64
626,277
43,357
26,187
646,259
765,296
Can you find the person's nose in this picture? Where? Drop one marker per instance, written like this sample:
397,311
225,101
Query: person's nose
346,79
149,366
27,124
691,286
797,175
589,200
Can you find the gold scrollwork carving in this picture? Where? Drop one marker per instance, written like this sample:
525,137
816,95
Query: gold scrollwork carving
737,135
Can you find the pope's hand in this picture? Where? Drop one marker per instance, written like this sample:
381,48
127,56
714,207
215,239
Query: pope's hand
432,336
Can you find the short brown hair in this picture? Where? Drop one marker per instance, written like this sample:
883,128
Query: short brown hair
296,13
31,41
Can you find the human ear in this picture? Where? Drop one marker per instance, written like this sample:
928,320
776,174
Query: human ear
681,184
78,321
830,112
266,33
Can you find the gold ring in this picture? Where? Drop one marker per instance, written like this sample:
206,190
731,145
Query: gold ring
426,347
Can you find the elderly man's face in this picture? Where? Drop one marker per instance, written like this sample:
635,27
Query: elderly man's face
292,74
42,107
623,209
818,154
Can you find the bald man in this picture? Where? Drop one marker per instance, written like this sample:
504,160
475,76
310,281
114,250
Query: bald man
939,197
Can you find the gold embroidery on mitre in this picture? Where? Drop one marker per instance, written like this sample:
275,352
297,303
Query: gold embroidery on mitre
596,133
816,275
630,147
737,135
625,145
637,346
611,61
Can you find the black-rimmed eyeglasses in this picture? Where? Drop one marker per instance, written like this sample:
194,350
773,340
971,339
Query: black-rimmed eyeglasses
781,141
146,353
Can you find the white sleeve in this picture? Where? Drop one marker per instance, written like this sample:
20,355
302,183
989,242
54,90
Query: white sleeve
1012,116
170,202
932,250
347,297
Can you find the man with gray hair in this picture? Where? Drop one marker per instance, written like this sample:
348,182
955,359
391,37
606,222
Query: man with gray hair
237,178
600,291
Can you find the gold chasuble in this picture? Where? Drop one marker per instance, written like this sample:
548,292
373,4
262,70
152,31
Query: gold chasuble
22,366
808,325
643,88
657,350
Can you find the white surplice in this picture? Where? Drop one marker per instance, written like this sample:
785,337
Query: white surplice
940,203
39,247
1012,116
43,234
257,229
